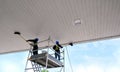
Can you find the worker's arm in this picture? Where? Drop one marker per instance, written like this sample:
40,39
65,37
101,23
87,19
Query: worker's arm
30,40
60,45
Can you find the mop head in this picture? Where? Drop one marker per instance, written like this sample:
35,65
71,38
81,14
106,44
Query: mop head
17,33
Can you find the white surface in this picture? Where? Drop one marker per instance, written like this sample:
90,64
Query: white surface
55,18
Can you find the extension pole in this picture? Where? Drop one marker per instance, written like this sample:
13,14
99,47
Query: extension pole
22,37
19,34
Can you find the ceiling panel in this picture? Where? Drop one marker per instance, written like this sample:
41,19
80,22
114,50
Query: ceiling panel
100,19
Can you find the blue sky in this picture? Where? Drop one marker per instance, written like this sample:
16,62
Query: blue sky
99,56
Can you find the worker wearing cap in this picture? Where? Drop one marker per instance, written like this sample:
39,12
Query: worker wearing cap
35,46
57,47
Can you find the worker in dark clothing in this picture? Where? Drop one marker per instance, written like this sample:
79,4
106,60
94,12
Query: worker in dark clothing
57,50
35,46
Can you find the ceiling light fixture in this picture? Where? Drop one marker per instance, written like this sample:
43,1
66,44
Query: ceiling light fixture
77,21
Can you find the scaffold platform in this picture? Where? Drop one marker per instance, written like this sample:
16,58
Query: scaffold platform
41,59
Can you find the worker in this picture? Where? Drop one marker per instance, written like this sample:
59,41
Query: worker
57,47
35,46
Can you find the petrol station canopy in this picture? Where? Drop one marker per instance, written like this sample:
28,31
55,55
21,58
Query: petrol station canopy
67,21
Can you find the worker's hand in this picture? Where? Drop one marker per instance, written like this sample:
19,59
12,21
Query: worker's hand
26,40
31,44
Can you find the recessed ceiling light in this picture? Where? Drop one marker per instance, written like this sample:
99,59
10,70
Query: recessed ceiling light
77,21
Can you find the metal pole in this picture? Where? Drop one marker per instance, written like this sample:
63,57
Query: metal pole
28,58
64,60
47,53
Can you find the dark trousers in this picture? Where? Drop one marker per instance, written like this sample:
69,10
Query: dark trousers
57,55
35,51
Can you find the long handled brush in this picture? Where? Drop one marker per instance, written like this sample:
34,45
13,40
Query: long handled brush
18,33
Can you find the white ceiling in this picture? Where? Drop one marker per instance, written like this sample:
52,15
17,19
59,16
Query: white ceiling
100,19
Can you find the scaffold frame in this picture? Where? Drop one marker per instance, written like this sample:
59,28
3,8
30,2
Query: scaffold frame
44,61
